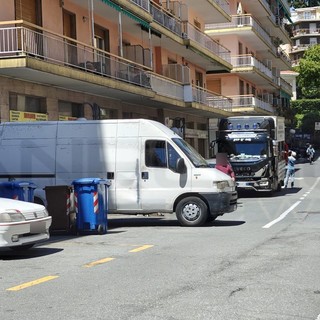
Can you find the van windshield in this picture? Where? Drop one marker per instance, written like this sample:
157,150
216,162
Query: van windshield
193,155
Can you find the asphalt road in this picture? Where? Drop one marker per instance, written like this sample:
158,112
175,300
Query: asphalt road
260,262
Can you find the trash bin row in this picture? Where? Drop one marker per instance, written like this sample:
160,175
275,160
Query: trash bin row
89,196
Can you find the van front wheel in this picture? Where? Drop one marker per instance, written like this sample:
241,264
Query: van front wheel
192,212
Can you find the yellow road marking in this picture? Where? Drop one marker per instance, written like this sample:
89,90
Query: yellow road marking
94,263
147,246
32,283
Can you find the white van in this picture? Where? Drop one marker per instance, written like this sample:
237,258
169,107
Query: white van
150,168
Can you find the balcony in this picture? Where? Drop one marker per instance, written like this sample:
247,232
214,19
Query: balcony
44,57
165,19
194,38
243,62
246,27
143,4
250,104
285,86
178,72
238,22
306,32
211,99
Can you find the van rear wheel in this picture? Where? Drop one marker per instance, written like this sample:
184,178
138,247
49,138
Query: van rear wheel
192,212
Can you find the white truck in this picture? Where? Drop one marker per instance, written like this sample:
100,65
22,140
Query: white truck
149,167
256,149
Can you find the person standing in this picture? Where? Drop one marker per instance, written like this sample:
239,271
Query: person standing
290,169
310,152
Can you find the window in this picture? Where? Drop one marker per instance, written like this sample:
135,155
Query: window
71,109
156,154
26,103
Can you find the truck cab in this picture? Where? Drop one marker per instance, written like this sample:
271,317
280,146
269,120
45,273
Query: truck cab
254,150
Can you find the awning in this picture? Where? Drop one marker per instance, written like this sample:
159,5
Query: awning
127,13
286,13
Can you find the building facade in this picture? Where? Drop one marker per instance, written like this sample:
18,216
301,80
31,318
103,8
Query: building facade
177,62
305,31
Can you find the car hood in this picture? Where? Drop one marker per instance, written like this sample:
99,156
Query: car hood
23,206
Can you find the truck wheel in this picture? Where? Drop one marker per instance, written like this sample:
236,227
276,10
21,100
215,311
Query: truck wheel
191,212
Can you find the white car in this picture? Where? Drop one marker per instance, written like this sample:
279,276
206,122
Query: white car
22,224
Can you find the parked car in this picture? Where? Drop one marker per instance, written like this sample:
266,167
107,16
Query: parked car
22,224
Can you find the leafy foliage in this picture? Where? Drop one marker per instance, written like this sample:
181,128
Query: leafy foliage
307,112
305,3
309,73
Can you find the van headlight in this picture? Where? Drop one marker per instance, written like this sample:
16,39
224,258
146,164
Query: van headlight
11,216
221,185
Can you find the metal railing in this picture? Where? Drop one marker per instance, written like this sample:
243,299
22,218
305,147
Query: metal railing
250,61
192,33
144,4
242,20
49,47
224,5
177,72
245,101
211,99
285,85
69,52
170,22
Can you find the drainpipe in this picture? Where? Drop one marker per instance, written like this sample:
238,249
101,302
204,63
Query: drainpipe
90,5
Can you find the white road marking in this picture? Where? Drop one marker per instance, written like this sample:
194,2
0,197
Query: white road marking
284,214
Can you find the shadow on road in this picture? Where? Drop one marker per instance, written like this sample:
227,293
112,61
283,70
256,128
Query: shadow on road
36,252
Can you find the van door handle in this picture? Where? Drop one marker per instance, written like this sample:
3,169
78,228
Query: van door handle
144,175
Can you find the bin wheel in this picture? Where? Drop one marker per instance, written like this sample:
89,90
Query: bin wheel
101,229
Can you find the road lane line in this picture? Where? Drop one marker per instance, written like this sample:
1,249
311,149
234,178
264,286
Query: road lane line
147,246
32,283
282,216
95,263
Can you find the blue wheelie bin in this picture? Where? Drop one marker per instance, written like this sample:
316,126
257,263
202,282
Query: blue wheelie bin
18,190
90,197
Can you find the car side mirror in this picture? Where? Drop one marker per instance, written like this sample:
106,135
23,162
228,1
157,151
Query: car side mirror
181,166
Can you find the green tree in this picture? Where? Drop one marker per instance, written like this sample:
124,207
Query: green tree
309,73
304,3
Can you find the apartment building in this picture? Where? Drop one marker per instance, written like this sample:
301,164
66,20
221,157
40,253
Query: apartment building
305,31
161,60
254,35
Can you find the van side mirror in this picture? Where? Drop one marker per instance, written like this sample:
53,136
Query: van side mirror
181,166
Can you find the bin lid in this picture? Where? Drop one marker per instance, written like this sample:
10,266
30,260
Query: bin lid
18,184
89,181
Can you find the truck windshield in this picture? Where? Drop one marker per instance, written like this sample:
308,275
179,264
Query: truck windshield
245,148
191,153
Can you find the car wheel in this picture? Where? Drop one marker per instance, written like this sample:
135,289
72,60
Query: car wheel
191,212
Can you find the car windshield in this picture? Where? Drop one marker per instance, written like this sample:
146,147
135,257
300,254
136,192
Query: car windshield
246,149
197,160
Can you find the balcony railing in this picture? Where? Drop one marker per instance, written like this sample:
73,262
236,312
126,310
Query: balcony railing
225,6
168,21
247,101
211,99
46,46
242,21
69,52
177,72
299,32
192,33
144,4
285,85
250,61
